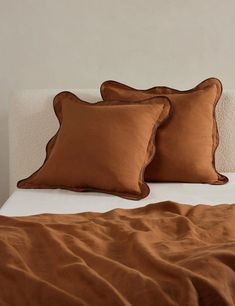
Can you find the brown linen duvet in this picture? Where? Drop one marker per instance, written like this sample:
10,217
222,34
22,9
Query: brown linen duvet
161,254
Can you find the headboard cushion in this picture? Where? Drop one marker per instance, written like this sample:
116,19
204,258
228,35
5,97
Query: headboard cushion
32,123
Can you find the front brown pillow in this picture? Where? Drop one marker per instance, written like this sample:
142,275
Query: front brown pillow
102,147
186,144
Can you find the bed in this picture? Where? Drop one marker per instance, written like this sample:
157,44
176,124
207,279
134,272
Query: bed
101,256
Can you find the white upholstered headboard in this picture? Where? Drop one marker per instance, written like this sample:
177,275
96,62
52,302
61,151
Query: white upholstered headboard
32,123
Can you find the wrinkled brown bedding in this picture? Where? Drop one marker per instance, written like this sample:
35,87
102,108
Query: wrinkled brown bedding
161,254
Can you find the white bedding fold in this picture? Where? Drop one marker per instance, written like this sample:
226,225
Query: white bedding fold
25,202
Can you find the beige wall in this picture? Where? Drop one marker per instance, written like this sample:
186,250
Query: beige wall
80,43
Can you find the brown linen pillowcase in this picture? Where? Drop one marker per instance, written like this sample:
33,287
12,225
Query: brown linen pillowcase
103,147
186,144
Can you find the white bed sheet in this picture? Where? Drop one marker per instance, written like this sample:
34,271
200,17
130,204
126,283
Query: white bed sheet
25,202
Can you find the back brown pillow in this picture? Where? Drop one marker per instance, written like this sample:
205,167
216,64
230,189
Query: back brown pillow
103,147
186,144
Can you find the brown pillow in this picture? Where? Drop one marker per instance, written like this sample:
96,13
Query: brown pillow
101,146
186,144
